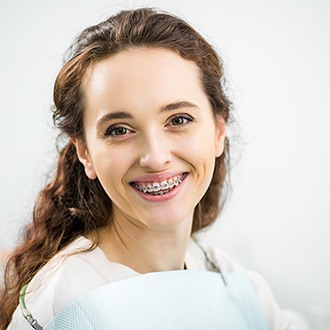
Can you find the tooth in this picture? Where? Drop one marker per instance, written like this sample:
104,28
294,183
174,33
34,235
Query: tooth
164,187
156,186
164,184
149,188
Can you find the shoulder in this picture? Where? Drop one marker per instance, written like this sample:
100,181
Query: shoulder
198,254
66,277
201,255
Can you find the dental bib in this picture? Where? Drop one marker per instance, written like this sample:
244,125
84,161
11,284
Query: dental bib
172,300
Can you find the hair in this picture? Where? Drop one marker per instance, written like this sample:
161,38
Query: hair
71,204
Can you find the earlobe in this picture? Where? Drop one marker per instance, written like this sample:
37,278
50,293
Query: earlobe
84,158
220,136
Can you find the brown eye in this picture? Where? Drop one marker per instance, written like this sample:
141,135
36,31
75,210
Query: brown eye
117,131
178,121
181,120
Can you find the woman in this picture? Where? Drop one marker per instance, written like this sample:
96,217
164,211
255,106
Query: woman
141,102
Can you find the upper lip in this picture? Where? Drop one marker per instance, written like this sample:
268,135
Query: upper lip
157,177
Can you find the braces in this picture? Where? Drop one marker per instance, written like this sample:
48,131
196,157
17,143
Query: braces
160,188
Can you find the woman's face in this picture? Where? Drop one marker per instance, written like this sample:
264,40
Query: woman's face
151,137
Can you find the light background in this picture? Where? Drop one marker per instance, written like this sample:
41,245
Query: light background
277,62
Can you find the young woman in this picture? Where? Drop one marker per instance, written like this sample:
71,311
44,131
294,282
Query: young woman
112,244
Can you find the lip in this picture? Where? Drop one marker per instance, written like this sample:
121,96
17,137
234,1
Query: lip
165,197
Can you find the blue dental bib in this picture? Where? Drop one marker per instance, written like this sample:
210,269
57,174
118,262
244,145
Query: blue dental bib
172,300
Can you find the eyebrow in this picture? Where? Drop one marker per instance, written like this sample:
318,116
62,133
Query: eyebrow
178,105
112,116
126,115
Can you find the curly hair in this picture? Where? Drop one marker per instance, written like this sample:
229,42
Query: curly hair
71,204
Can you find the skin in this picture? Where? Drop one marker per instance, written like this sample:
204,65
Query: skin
146,119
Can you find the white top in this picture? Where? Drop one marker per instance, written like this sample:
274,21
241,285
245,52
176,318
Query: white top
68,276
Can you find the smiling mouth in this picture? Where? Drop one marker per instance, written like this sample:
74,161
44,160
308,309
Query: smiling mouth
159,188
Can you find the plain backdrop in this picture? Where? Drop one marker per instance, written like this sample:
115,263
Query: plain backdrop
277,61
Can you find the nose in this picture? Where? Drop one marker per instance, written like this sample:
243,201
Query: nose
155,152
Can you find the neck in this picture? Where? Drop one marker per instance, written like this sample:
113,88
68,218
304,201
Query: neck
145,250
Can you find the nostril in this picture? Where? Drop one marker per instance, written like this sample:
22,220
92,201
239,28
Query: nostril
155,160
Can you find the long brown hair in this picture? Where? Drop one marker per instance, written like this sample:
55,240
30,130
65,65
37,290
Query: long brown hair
71,204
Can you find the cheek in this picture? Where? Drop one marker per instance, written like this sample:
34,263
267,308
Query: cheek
199,151
200,144
109,165
110,173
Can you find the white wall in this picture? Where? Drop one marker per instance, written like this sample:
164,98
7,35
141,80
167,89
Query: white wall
277,59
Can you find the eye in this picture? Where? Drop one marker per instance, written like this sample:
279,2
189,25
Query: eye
117,131
180,120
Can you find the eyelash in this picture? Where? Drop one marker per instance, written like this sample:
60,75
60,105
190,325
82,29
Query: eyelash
185,118
111,131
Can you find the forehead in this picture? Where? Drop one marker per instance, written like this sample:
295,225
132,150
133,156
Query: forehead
141,77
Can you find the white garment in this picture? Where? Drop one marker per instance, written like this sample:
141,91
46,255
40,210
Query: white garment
68,276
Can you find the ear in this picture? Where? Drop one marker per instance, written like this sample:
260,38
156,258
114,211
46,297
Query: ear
220,135
84,157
